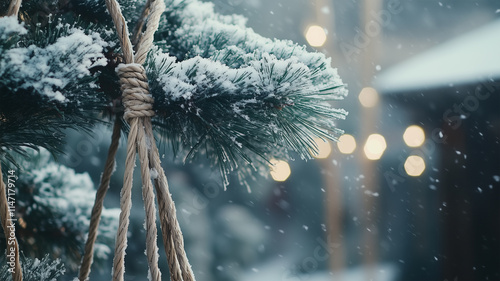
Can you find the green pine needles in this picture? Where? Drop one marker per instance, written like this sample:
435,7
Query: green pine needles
221,91
53,206
36,270
45,83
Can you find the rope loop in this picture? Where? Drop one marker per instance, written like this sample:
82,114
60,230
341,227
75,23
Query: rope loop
135,91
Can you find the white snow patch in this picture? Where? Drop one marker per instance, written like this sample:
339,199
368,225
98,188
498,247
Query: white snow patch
9,26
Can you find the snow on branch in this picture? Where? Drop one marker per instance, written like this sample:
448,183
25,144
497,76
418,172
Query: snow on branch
47,73
53,209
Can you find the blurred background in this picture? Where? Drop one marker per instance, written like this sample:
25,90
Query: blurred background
410,192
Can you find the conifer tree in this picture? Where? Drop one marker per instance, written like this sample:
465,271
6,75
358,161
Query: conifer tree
220,90
52,208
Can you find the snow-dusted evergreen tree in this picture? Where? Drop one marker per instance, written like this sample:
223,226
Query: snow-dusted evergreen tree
53,205
221,92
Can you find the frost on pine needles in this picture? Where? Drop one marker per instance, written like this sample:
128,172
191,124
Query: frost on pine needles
54,204
36,270
48,75
235,97
50,70
221,91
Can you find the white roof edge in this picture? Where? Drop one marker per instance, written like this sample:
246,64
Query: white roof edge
468,58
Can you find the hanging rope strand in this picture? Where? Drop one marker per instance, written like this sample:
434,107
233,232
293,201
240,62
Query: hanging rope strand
138,112
125,205
140,24
139,108
17,275
14,8
99,200
146,41
121,29
173,242
169,224
149,206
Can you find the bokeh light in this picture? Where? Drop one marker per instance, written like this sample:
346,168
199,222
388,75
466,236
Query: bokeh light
368,97
414,136
316,36
324,149
280,170
375,146
346,144
414,165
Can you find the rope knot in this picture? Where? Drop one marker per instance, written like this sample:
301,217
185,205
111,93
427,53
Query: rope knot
135,91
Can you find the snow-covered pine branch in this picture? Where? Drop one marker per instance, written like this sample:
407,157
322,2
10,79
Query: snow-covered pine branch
35,269
241,116
220,89
46,84
53,205
235,96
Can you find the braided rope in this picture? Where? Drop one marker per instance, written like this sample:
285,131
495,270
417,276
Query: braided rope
146,40
169,224
99,200
149,205
138,112
14,8
140,23
135,91
125,204
121,29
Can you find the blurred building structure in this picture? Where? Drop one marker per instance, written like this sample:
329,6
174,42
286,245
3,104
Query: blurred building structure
453,207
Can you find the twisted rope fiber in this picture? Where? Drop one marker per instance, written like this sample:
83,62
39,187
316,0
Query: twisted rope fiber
14,8
125,204
99,200
129,84
150,207
138,109
138,113
146,41
140,23
135,91
17,275
171,230
168,218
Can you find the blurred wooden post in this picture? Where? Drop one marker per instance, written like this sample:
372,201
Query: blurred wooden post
334,214
332,185
368,125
